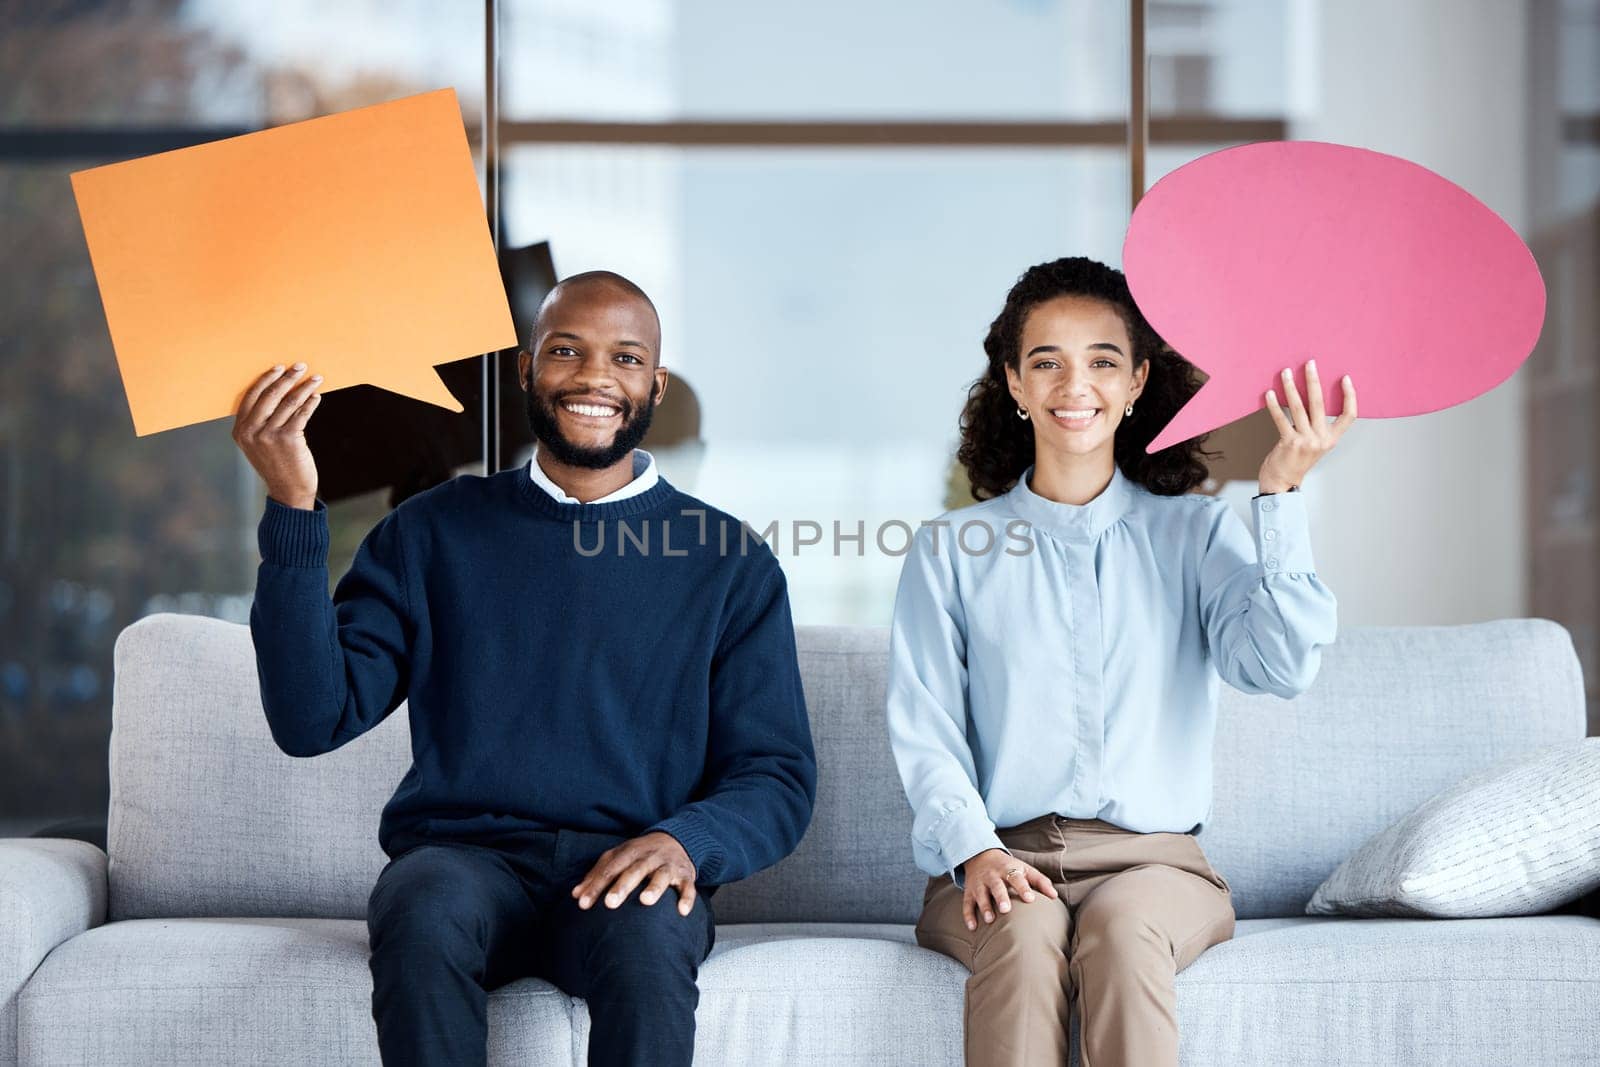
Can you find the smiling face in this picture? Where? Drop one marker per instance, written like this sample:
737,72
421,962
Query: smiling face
1076,358
593,377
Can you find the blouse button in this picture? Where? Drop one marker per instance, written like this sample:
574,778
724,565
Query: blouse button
1272,562
1270,535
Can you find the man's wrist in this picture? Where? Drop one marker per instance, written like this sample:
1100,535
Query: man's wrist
303,503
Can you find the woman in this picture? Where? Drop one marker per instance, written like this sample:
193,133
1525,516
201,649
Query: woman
1056,653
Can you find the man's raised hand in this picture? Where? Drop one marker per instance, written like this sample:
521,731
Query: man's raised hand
269,429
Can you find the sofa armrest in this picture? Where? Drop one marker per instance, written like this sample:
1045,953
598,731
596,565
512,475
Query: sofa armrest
51,889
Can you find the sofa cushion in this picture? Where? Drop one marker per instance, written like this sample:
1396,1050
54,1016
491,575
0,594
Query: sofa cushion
1314,991
1520,838
1281,991
824,994
209,818
1396,714
241,991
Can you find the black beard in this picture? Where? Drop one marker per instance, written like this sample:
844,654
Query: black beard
542,420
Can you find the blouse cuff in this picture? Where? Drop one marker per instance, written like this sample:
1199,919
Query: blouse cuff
962,835
1283,535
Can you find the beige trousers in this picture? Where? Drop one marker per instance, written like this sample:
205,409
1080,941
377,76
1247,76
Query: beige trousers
1134,910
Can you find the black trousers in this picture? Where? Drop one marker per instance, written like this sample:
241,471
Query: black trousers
449,922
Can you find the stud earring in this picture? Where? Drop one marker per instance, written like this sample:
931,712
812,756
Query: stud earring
1022,413
1128,410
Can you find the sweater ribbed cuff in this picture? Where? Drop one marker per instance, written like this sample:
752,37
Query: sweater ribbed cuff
294,537
705,852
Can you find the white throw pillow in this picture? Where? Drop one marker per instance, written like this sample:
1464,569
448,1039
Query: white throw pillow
1519,838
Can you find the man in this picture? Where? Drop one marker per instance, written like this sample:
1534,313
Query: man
584,723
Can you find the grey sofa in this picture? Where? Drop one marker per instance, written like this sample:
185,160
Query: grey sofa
226,925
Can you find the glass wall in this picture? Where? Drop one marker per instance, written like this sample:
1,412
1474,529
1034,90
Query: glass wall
99,527
1564,387
827,221
827,202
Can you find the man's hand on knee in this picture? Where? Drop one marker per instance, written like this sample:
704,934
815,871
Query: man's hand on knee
657,856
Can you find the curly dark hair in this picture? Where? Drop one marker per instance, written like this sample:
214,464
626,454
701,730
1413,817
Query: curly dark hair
996,446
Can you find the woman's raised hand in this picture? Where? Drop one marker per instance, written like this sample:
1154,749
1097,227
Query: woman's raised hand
1309,436
991,877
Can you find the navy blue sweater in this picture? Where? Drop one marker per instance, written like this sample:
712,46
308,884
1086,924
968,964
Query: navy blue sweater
611,668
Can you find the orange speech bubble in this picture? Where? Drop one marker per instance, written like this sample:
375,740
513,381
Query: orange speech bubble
355,242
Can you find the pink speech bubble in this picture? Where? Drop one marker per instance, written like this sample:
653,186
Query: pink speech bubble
1257,258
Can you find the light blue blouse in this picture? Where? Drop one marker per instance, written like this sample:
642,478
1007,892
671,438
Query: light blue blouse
1073,666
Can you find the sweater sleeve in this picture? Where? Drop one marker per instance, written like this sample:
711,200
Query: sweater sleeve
927,713
329,670
1265,612
761,773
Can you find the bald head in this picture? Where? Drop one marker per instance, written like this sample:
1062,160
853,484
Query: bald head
592,371
594,288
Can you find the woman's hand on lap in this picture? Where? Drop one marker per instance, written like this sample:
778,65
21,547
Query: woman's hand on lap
991,877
